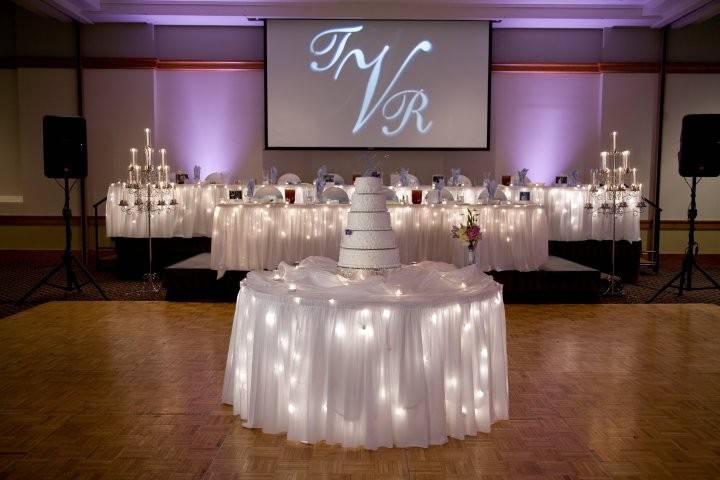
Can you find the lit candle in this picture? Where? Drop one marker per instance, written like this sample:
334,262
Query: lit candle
148,156
625,155
147,137
634,170
614,135
593,177
162,156
603,155
133,153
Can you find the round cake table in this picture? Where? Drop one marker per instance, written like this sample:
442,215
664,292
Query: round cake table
408,359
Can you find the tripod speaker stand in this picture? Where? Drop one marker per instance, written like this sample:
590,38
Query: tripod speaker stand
65,157
699,156
68,262
684,276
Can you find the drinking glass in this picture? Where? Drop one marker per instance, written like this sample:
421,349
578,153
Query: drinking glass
416,196
289,195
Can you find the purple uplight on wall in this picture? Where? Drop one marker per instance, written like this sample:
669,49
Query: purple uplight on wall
542,121
212,119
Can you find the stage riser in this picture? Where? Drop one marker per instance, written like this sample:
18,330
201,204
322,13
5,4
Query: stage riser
132,253
544,286
549,287
597,254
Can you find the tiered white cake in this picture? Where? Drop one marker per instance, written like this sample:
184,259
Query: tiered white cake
368,244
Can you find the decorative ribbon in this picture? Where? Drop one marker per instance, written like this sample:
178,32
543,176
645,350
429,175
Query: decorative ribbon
574,179
404,180
522,177
319,188
454,176
491,186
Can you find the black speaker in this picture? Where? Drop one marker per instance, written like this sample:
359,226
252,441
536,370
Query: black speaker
64,147
700,146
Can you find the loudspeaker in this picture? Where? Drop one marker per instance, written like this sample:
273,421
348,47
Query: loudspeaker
64,147
700,146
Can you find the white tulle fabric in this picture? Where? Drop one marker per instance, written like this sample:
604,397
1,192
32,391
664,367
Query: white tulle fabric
568,220
191,217
253,237
361,364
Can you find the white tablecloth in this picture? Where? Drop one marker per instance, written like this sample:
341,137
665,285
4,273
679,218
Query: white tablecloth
567,219
404,361
252,236
192,217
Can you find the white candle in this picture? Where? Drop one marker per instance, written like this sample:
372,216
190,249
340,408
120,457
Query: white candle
603,155
614,135
133,153
634,170
162,156
148,156
147,137
625,155
130,174
593,175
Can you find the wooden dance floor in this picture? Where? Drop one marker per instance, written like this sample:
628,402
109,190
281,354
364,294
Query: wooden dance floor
101,390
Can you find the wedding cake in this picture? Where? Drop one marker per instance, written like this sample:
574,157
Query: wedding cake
368,244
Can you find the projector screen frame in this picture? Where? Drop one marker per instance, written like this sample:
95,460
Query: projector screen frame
365,149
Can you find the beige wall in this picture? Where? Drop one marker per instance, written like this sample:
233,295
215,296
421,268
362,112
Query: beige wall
119,104
629,107
40,91
687,93
550,123
9,135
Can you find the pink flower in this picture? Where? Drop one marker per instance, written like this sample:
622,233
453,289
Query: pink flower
473,233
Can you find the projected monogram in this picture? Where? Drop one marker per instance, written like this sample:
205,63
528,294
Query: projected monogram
397,108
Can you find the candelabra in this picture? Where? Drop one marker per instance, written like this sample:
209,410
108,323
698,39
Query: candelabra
151,194
615,198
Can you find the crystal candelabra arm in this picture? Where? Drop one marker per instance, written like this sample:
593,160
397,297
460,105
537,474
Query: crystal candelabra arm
610,196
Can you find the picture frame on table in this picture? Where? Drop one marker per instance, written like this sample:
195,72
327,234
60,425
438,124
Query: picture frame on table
561,180
525,196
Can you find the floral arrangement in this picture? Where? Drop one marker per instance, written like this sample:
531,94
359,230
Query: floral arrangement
468,233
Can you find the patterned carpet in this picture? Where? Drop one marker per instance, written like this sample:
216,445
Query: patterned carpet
20,271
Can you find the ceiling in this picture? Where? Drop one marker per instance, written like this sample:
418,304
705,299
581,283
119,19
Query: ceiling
510,13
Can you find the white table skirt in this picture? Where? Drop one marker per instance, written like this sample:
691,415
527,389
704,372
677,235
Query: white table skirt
192,217
253,237
361,364
567,219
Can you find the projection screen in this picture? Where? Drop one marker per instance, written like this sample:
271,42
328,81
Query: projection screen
385,84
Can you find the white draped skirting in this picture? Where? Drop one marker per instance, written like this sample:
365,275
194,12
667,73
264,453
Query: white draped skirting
567,218
360,364
252,236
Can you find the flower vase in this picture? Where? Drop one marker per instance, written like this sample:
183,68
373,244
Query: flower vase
471,255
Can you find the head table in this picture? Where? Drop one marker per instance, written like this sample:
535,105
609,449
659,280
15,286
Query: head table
254,236
567,218
405,360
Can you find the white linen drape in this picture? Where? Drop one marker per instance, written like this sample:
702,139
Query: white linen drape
407,360
251,236
567,219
